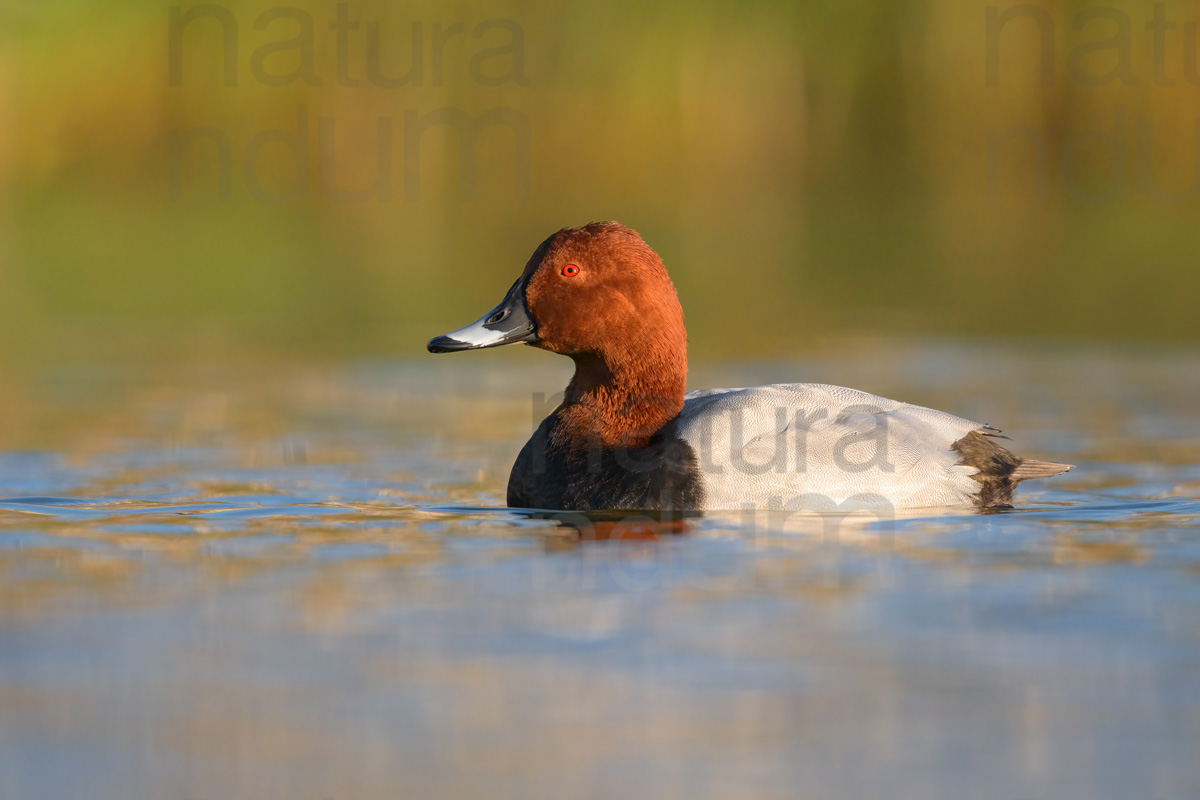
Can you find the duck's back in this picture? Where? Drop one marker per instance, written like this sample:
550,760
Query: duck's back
813,446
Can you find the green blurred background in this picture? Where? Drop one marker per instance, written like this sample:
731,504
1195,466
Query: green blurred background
806,170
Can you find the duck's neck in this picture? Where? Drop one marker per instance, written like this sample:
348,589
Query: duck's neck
621,402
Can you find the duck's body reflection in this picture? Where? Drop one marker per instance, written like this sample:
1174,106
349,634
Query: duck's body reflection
600,526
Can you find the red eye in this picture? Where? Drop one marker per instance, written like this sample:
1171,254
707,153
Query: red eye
570,271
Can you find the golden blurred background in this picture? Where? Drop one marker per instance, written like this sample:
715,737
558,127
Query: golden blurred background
350,179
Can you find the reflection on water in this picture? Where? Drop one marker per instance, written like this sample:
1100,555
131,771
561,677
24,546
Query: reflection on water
300,583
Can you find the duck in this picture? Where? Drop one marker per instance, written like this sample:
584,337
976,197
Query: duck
629,436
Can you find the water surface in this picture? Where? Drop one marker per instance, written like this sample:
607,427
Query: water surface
300,581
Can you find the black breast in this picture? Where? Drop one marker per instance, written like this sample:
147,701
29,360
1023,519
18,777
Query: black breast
662,475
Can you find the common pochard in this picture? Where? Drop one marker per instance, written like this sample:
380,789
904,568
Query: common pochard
628,436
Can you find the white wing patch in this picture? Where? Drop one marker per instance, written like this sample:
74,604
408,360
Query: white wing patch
804,446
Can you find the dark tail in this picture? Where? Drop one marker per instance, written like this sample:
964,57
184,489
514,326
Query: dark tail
998,470
1029,468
